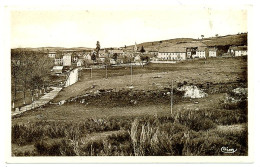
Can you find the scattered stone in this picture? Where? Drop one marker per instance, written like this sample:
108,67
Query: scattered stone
240,91
192,92
82,101
62,102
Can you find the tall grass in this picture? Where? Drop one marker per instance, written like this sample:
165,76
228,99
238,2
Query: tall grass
183,133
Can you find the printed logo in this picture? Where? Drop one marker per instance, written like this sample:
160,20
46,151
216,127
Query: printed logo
228,150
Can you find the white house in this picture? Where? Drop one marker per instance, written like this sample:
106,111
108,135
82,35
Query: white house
57,69
51,54
67,59
80,63
112,61
137,58
238,50
172,53
87,56
58,60
200,52
213,52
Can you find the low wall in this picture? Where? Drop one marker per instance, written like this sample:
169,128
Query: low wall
163,62
73,77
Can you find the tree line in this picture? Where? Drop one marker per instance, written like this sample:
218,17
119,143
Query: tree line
29,72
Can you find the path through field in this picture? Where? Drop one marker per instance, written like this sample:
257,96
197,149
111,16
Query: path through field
40,102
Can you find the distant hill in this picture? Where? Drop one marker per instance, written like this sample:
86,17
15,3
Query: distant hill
223,41
51,49
238,39
228,40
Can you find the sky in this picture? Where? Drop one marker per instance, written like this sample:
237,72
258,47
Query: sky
120,26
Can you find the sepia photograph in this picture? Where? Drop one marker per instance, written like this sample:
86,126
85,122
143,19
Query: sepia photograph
129,82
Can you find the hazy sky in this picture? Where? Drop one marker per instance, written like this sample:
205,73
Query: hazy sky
119,27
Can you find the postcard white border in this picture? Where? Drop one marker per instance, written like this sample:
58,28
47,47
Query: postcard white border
120,159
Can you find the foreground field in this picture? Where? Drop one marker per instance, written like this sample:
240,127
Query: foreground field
111,119
159,76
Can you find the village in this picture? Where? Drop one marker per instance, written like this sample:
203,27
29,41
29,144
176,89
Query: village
138,55
127,100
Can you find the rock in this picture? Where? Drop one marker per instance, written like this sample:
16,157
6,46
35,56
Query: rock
62,102
192,92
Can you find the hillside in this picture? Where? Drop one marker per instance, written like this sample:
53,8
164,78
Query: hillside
51,49
228,40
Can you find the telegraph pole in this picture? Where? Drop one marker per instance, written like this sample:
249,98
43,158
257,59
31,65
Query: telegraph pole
91,73
106,71
172,97
131,74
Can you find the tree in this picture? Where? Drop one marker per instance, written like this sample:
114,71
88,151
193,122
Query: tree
115,56
93,57
216,35
144,58
31,63
142,49
15,79
202,36
97,48
36,82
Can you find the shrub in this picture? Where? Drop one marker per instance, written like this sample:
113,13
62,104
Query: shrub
194,120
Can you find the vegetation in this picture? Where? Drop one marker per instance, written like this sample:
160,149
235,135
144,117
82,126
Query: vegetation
30,71
183,133
98,120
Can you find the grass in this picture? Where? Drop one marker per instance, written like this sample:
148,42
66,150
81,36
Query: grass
189,134
186,132
159,76
138,122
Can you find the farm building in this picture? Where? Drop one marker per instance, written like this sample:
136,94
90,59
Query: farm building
238,50
112,61
87,56
80,63
58,61
213,52
67,59
74,58
201,53
117,51
51,54
57,69
137,58
172,53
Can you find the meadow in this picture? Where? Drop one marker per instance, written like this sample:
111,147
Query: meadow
109,119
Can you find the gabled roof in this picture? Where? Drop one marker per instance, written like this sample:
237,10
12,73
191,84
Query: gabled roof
201,48
236,48
213,49
67,54
57,68
116,51
173,49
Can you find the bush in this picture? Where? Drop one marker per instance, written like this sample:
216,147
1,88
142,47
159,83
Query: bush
194,120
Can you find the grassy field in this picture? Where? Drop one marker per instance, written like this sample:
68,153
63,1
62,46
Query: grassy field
159,76
138,122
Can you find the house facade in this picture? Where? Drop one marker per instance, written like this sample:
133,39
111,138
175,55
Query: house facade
67,59
172,53
58,60
201,52
213,52
51,55
80,63
87,56
238,50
